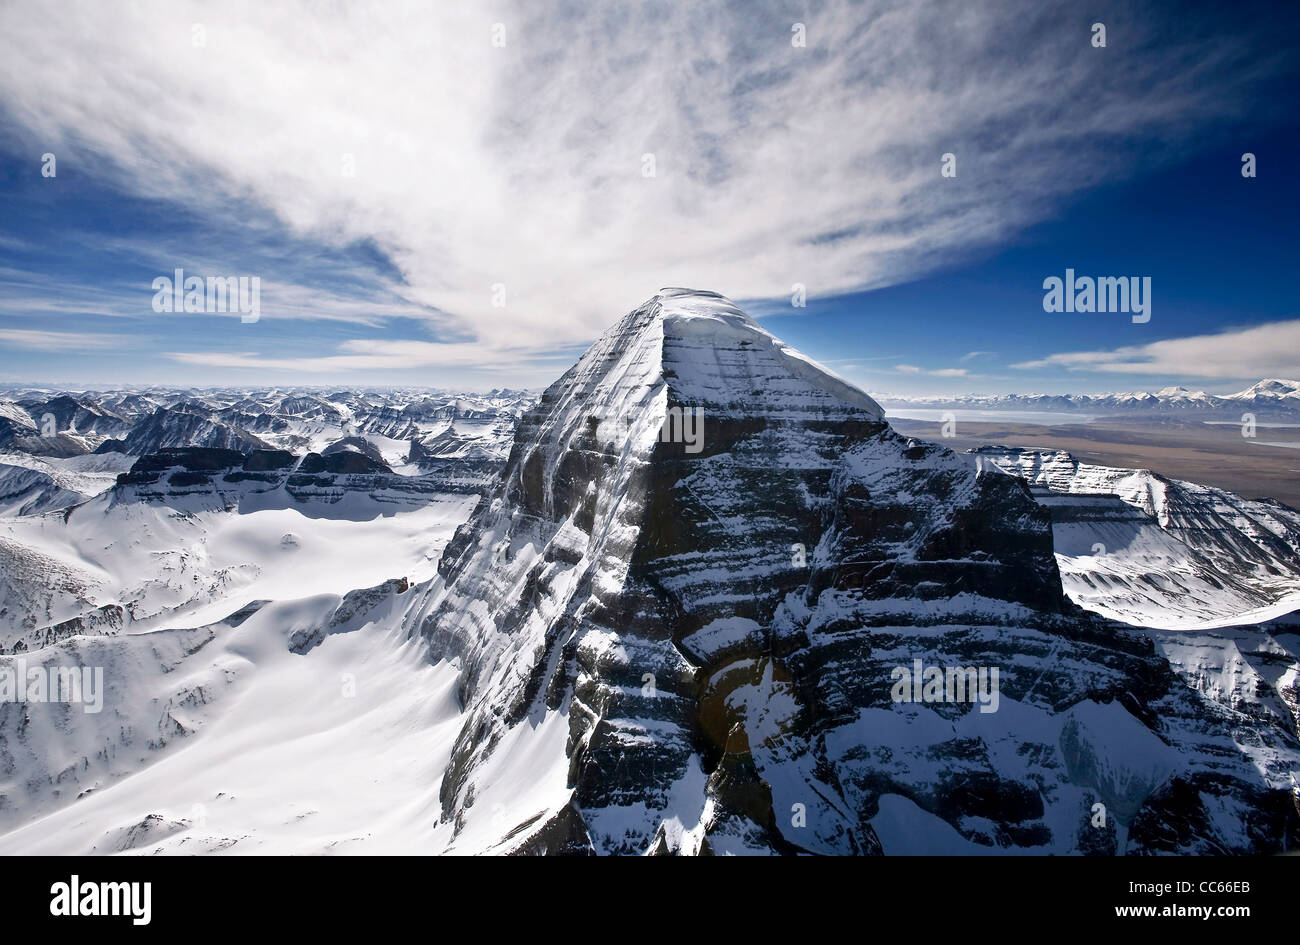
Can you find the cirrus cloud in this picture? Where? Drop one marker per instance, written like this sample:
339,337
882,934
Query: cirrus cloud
1234,354
37,340
472,167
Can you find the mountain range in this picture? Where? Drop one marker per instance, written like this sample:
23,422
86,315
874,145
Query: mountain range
1269,399
703,599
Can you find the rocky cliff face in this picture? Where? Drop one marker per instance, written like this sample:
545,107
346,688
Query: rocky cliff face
186,427
689,618
204,477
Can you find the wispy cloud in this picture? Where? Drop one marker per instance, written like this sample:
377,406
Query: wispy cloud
1238,354
23,295
936,372
34,340
523,166
372,355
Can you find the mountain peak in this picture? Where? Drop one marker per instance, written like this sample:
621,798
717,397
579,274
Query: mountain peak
712,354
1179,392
681,303
671,647
1277,383
1270,388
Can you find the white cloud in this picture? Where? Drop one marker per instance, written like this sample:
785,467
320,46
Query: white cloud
523,165
940,372
31,297
1238,354
365,355
33,340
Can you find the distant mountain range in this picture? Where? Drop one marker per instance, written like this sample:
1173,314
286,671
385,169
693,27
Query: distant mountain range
1272,398
45,422
59,448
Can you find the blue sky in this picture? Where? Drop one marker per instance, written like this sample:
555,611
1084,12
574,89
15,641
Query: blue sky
1220,250
385,171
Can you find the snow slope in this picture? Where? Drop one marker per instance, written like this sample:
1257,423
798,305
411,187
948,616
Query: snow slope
1158,552
191,560
221,739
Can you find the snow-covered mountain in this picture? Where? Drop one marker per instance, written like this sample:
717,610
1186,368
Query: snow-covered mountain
1271,391
53,424
197,583
187,453
76,415
32,485
667,651
1160,552
14,422
181,427
683,619
1269,399
159,552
